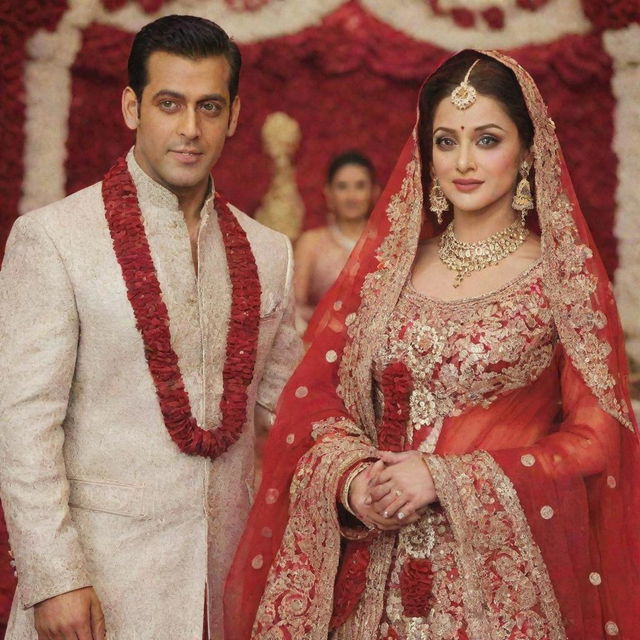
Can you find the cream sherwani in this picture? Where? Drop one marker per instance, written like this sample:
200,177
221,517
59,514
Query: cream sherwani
94,490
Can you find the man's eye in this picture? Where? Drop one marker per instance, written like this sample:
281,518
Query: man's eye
210,107
168,105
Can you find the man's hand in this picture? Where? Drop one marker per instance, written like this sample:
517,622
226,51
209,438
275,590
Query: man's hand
76,615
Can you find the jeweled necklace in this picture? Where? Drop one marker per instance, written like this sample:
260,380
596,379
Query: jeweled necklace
341,238
466,257
132,251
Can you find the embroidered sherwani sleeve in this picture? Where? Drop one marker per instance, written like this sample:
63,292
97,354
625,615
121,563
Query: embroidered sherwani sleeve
38,343
286,349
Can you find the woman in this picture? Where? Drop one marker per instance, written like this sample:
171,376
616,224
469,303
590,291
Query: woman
320,254
465,398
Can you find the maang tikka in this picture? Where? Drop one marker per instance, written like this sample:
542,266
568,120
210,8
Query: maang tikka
465,94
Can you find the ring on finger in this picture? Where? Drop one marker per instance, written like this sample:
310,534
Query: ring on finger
400,515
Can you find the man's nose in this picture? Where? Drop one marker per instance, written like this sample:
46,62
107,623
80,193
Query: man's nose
189,126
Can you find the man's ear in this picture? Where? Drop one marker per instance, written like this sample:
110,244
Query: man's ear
233,117
130,108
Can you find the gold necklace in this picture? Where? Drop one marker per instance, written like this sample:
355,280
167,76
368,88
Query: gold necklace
466,257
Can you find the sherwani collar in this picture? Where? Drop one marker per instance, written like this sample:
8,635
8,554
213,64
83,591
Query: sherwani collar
154,196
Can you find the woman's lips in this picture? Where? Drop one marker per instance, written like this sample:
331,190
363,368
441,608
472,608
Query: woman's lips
467,185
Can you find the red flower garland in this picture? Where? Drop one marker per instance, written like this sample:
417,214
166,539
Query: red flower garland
396,385
416,582
350,582
152,318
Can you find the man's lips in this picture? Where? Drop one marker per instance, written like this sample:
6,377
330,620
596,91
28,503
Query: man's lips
185,156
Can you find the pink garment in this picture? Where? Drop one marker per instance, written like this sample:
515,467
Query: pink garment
330,258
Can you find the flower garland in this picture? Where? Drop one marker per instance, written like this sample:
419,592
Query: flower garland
152,318
350,581
396,384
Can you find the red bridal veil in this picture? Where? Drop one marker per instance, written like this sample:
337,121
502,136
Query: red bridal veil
582,474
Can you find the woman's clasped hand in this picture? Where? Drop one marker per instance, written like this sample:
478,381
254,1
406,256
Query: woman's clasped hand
393,491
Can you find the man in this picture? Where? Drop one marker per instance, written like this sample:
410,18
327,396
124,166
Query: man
141,320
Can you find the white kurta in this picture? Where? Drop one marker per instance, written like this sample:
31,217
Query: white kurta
94,490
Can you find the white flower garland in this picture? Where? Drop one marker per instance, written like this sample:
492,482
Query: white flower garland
624,47
521,27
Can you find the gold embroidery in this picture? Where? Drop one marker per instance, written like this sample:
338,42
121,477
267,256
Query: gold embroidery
299,591
469,352
567,280
495,540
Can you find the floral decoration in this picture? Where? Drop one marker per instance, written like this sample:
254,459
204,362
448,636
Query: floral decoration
492,15
612,14
19,21
416,581
148,6
350,581
396,386
152,318
247,5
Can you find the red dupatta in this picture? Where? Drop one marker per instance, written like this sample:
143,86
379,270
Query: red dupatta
586,470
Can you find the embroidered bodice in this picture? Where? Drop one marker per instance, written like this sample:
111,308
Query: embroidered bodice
467,352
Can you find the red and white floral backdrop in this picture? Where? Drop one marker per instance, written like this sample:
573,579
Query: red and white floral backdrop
348,71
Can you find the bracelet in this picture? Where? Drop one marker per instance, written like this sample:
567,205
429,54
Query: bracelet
344,496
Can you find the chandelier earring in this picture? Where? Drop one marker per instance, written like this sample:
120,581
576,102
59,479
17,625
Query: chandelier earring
437,201
522,199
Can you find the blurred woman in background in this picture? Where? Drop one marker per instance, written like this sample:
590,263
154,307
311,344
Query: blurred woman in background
320,254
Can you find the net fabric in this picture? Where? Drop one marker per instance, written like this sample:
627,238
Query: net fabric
587,460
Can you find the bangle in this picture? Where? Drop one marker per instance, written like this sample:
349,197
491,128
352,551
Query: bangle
344,496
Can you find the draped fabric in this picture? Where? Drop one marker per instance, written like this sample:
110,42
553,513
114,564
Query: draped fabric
538,485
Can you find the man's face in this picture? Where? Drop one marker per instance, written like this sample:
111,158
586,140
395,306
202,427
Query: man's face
183,119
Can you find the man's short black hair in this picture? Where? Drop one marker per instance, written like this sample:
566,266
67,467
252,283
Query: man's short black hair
186,36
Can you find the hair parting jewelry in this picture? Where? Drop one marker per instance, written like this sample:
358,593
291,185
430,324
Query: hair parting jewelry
465,94
437,200
466,257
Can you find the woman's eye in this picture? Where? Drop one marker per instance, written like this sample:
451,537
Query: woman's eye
444,141
488,141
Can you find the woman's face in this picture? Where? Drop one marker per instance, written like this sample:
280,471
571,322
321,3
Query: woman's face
476,155
350,194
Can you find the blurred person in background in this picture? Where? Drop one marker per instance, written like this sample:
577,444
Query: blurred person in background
320,254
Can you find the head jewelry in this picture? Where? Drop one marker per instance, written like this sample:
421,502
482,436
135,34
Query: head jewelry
465,94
